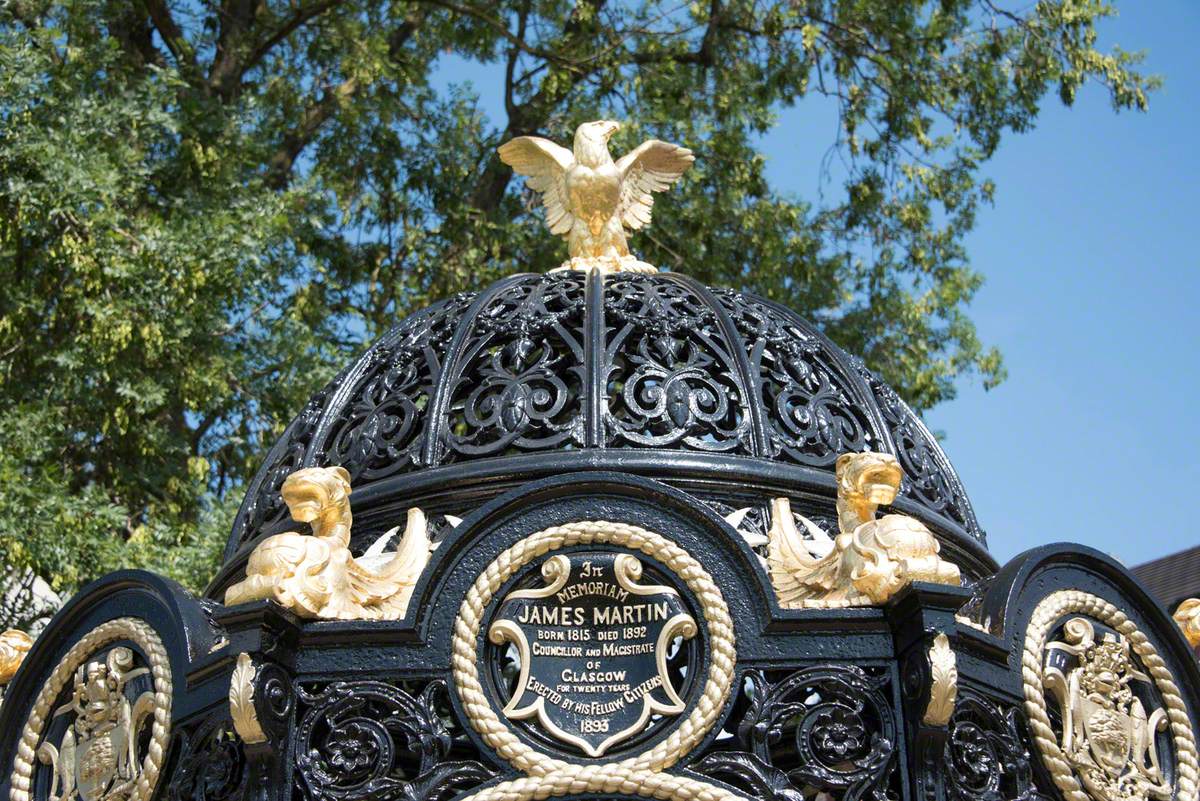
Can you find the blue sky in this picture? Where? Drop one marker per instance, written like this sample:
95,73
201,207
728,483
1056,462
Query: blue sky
1093,281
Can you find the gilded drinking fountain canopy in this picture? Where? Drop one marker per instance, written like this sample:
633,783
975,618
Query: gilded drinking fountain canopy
605,531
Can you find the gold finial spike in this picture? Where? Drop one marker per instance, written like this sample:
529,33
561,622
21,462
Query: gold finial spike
589,198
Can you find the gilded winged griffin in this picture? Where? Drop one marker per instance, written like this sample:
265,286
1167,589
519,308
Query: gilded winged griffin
315,575
589,198
871,559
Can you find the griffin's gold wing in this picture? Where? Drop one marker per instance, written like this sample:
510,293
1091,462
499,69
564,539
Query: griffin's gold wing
795,573
650,167
545,164
378,575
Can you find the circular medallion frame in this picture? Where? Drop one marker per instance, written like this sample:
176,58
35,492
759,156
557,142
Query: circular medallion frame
1049,611
466,646
148,642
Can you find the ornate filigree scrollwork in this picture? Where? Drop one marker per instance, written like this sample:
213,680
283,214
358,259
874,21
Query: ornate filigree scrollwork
372,740
211,766
381,431
675,368
116,705
813,415
316,576
985,757
827,728
931,479
519,380
1114,702
872,559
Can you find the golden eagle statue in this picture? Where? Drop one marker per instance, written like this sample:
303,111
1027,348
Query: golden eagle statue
589,198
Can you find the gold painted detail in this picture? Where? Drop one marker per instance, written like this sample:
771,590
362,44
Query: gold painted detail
641,775
1106,749
14,645
589,198
241,701
972,623
497,734
871,560
99,755
641,623
1188,618
315,575
943,682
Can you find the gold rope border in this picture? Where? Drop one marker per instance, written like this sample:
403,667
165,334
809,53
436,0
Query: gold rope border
618,779
1045,615
523,757
123,628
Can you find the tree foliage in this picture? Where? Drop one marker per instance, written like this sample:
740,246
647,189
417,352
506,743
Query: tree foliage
208,206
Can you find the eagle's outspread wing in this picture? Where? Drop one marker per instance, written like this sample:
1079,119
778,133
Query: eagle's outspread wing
651,167
545,165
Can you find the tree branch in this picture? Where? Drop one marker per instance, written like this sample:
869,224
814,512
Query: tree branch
290,26
170,33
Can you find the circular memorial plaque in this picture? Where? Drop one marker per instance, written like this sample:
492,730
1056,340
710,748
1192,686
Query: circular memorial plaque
593,640
593,649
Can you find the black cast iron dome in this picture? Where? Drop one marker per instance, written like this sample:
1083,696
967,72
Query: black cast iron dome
735,396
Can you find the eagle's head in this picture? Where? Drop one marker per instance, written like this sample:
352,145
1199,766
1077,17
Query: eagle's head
591,141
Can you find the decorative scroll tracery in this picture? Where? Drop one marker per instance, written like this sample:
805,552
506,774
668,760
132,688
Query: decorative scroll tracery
812,415
822,729
677,366
376,741
519,384
671,373
929,477
211,767
985,757
381,430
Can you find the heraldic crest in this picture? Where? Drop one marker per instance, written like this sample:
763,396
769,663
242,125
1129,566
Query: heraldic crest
98,759
1108,734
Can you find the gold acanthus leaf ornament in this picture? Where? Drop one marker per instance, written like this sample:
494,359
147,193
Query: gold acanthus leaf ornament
241,701
14,645
1188,618
943,682
871,560
315,575
591,199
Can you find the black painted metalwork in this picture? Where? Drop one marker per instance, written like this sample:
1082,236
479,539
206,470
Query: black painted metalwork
588,369
658,403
